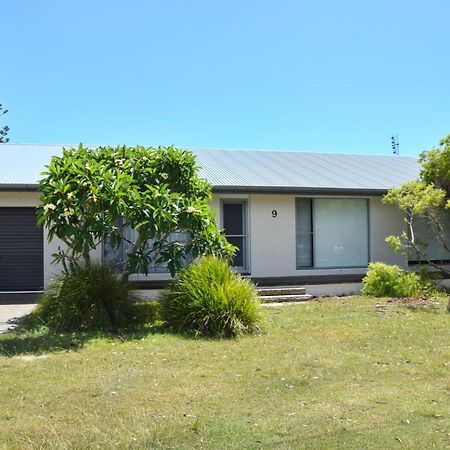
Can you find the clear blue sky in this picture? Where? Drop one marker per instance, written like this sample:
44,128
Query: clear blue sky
324,75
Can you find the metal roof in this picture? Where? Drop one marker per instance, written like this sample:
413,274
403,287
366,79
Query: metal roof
245,170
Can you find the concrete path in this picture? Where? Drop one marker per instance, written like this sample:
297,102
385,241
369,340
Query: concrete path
10,312
276,304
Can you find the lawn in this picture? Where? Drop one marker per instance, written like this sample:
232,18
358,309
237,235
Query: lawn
335,373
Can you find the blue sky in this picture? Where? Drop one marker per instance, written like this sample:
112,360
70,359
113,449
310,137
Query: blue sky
324,75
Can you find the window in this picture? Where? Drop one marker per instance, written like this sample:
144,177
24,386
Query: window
332,232
433,248
235,227
304,228
117,256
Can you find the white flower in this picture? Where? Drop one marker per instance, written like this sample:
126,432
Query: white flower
70,195
164,175
191,209
67,212
49,206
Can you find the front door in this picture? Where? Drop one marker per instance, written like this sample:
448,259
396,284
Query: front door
235,227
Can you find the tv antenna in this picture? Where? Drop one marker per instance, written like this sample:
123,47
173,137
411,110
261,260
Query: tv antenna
395,145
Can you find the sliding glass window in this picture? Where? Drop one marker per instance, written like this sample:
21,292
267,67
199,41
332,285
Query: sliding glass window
332,232
426,236
117,256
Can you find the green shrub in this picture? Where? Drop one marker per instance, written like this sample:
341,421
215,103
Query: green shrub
87,298
384,280
209,298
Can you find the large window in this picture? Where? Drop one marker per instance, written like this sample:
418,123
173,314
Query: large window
425,235
332,232
117,256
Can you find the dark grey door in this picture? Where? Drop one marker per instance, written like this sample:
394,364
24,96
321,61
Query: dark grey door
21,250
235,227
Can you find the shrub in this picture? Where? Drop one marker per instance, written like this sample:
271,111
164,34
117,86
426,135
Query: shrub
384,280
87,298
209,298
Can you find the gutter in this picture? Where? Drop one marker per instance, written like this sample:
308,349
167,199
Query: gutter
297,190
16,187
33,187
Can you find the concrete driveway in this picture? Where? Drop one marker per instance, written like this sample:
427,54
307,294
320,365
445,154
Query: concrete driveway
10,312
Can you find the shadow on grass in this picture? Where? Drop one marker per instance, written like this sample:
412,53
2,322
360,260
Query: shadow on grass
31,338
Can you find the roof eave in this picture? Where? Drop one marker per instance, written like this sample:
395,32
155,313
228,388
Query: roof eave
34,187
297,190
19,187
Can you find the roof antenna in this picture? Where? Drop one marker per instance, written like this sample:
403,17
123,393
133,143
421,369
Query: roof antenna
395,145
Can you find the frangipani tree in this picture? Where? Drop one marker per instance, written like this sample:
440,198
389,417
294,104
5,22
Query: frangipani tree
93,195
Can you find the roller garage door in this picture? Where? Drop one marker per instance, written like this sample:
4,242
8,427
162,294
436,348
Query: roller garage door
21,250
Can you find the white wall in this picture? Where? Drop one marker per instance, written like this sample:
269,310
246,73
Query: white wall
272,250
272,239
18,199
272,244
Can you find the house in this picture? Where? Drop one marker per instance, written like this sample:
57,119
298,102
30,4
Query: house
297,218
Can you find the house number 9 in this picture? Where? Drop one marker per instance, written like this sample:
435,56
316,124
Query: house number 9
274,213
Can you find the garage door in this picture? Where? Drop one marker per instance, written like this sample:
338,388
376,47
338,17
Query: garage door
21,250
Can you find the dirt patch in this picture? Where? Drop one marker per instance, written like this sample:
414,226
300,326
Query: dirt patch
422,300
31,357
419,302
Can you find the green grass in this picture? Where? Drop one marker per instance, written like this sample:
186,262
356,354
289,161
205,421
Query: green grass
338,373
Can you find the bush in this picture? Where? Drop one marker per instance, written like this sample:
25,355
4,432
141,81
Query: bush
87,298
384,280
209,298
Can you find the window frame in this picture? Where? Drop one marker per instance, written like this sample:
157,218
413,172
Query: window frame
245,269
414,258
152,269
313,243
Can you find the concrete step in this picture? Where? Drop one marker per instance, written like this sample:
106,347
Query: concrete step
281,290
285,298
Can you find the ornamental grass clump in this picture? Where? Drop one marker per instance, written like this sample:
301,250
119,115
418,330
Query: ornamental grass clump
87,298
210,299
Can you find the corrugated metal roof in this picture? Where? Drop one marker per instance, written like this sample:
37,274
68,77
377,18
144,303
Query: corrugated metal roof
249,170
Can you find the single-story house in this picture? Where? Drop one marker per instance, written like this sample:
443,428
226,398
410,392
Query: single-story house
297,218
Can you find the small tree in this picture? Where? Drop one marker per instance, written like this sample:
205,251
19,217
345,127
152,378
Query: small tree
90,195
425,199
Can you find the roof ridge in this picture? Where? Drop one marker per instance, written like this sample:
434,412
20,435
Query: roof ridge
212,149
306,152
24,144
